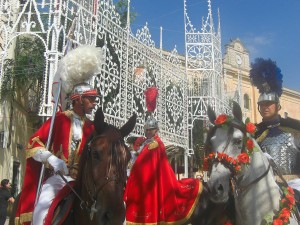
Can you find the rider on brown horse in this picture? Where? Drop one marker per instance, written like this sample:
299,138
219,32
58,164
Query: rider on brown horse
70,131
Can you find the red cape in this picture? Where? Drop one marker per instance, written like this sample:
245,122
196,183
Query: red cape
60,146
153,195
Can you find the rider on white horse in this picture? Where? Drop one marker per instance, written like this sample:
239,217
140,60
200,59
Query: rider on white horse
278,137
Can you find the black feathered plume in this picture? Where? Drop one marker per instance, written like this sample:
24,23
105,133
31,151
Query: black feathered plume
266,76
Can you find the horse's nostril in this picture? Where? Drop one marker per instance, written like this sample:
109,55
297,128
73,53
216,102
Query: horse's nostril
220,188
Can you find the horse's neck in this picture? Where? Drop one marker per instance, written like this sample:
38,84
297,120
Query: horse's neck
260,198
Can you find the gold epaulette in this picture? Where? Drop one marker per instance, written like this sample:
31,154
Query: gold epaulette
294,132
152,145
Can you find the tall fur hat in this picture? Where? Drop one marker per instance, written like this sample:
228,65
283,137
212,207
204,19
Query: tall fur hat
267,77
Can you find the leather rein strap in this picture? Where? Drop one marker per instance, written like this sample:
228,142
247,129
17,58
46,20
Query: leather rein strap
241,189
82,202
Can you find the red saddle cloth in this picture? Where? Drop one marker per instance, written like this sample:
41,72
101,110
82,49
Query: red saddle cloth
62,194
153,195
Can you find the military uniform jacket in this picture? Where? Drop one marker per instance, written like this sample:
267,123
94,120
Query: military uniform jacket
281,139
60,147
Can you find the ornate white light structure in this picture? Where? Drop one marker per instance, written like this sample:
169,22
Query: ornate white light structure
203,69
122,90
183,94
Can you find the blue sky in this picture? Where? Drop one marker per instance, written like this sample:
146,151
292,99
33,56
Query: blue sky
267,28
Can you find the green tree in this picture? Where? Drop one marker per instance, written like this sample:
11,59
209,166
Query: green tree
25,71
121,8
23,77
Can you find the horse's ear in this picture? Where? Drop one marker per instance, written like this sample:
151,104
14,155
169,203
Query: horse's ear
129,126
211,114
237,111
99,121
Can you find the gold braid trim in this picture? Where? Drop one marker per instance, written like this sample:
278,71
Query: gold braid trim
192,208
60,154
262,136
31,151
25,217
68,113
152,145
17,220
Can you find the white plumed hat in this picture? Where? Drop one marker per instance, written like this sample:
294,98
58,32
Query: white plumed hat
80,65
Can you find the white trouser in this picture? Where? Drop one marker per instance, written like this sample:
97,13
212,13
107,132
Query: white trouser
295,184
48,192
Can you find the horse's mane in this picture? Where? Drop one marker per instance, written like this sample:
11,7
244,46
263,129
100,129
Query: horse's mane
207,144
83,159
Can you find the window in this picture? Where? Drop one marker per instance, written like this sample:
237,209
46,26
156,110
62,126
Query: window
246,101
2,139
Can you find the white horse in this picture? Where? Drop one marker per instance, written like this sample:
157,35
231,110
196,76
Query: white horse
256,194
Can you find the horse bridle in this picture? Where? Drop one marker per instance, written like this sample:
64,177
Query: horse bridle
242,188
107,179
91,208
233,180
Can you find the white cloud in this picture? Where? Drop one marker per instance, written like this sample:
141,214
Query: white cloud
256,44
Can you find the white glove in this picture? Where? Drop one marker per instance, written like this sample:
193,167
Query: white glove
58,164
42,155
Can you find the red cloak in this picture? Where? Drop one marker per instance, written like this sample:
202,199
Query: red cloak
153,195
60,147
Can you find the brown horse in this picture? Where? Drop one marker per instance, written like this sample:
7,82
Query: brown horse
99,187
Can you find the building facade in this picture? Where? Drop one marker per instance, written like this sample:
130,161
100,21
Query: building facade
237,65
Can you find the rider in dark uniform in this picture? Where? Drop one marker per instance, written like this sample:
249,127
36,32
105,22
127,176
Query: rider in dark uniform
278,137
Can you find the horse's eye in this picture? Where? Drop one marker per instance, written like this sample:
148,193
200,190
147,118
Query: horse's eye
237,141
96,155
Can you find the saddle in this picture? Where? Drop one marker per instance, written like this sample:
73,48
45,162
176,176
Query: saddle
61,206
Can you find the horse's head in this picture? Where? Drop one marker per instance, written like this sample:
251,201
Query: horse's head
103,170
228,147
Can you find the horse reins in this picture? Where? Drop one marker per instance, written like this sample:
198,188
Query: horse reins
239,190
242,188
107,178
73,190
233,180
85,204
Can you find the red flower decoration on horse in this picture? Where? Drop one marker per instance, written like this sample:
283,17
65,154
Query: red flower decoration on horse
221,119
250,128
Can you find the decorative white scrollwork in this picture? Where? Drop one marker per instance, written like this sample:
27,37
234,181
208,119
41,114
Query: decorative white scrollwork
133,63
